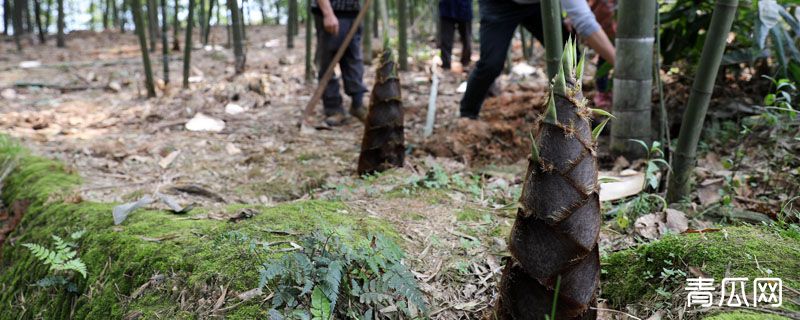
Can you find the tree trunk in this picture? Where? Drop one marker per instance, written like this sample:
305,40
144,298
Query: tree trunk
694,116
165,40
553,243
187,44
37,9
106,13
243,24
60,41
383,145
18,29
402,26
309,64
263,10
384,9
238,51
292,14
48,14
123,17
176,26
367,38
633,78
277,12
28,18
6,15
114,13
207,30
152,23
201,17
375,16
138,21
553,39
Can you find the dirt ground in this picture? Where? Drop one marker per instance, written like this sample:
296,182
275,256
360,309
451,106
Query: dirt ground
85,105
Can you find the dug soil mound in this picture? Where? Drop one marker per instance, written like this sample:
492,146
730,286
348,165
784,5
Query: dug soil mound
500,136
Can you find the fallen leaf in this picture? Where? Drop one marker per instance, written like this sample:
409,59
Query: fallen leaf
166,161
676,221
172,204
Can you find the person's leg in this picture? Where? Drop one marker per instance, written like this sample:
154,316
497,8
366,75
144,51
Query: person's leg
446,30
326,49
352,66
465,32
499,19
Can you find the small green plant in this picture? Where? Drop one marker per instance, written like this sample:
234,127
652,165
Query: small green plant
330,279
645,202
63,261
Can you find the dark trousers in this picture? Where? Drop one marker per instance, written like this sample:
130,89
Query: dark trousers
447,28
351,64
499,20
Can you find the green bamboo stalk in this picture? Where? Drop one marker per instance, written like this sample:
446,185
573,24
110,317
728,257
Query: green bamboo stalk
633,78
187,44
694,116
176,26
152,23
367,38
402,26
138,21
236,32
207,30
291,15
309,69
164,40
17,21
37,9
201,17
551,26
60,42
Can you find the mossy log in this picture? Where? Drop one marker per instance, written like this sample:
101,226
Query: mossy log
383,145
195,256
635,276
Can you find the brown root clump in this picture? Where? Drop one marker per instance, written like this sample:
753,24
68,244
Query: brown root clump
499,137
383,146
553,242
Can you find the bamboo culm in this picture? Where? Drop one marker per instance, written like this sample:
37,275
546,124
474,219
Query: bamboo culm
633,78
138,21
187,45
553,39
164,40
695,114
236,31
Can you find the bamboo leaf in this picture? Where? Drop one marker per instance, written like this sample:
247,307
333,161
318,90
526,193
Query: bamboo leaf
599,128
559,82
579,68
551,115
534,149
602,113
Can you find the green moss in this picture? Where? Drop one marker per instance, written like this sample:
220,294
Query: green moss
744,316
193,253
469,214
635,276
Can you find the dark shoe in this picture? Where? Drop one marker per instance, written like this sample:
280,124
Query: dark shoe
335,120
359,112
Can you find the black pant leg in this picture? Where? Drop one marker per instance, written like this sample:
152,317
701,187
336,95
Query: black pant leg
465,32
447,30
